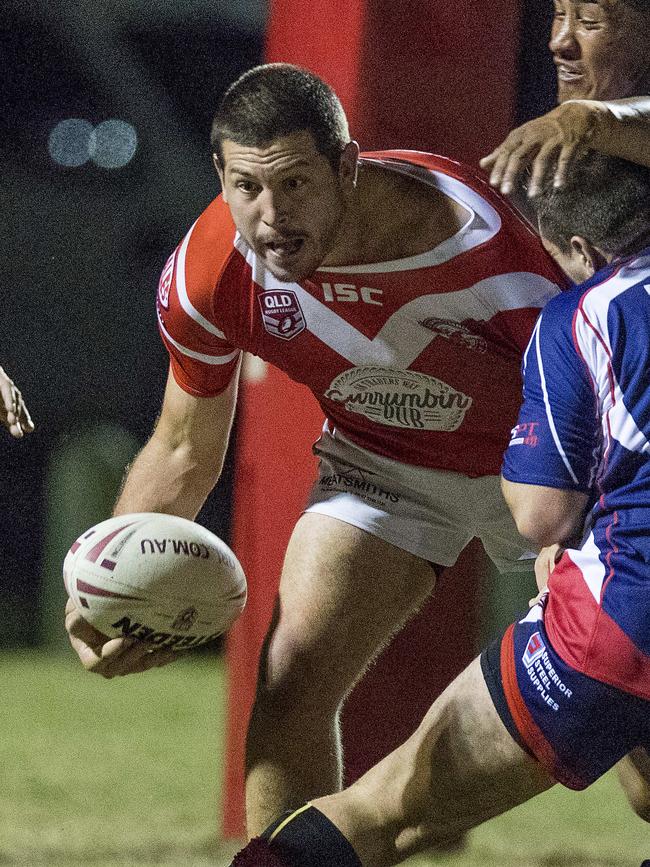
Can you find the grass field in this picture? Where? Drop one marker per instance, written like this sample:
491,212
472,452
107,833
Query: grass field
128,772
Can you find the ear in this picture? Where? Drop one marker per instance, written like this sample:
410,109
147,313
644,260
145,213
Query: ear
591,257
348,166
216,163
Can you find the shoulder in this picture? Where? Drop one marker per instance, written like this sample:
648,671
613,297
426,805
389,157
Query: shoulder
205,253
194,273
614,282
210,242
562,307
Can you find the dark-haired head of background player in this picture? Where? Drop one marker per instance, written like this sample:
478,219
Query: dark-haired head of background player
601,48
601,213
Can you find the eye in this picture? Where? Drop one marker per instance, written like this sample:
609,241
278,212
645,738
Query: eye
590,24
246,186
294,183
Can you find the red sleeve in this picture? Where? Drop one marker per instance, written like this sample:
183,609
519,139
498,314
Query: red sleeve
203,360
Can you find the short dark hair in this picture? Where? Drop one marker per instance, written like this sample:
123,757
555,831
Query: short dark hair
605,200
642,6
278,99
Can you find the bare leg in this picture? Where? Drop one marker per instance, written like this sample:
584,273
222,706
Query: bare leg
343,593
634,776
460,768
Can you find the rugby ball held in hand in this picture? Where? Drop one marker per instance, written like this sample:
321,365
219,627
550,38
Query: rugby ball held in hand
158,578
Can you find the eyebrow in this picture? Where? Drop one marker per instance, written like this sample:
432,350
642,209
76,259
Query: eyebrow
302,162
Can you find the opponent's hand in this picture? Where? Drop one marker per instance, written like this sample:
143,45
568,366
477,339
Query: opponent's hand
110,657
13,412
544,564
548,145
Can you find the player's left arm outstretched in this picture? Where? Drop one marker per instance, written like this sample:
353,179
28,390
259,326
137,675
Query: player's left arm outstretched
174,473
14,415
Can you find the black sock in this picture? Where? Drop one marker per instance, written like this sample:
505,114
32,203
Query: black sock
307,838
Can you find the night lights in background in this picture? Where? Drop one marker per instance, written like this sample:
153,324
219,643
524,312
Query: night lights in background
111,144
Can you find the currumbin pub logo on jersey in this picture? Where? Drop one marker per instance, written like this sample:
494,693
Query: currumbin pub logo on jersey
400,398
281,313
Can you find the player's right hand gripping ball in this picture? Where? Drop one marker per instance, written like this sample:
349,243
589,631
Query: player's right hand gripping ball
158,578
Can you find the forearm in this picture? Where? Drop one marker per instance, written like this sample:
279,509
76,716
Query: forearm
165,478
622,128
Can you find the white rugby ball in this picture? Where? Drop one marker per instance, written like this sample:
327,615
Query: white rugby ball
158,578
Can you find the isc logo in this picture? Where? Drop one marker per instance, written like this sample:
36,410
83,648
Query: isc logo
349,292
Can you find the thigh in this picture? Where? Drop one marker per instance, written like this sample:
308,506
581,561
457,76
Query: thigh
460,768
495,527
343,593
474,768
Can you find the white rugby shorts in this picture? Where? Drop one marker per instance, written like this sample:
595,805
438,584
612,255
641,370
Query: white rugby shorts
430,513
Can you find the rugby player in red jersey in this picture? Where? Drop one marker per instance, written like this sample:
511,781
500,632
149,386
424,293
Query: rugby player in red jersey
402,291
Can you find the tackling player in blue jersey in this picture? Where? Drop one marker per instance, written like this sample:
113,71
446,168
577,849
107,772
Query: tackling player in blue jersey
565,693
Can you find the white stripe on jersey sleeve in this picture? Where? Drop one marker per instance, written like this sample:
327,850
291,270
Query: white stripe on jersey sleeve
547,405
588,561
199,356
181,288
524,361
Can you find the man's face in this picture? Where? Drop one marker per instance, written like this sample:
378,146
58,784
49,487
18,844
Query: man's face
286,201
601,49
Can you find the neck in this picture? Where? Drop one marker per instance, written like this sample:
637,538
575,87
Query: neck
348,242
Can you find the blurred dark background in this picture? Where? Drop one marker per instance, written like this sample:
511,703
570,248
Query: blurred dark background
86,227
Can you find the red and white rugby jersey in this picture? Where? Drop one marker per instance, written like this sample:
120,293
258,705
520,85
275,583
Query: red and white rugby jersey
416,359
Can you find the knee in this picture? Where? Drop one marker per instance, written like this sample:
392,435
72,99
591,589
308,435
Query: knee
639,800
292,678
634,776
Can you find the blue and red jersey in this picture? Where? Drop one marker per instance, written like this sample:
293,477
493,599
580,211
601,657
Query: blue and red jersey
585,425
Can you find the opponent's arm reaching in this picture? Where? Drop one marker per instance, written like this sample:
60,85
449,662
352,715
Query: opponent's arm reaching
14,415
174,473
549,145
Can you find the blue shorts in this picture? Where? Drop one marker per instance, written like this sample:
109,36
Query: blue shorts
575,726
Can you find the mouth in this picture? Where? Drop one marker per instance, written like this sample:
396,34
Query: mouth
283,249
568,73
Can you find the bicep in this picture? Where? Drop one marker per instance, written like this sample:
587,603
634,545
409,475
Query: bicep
545,515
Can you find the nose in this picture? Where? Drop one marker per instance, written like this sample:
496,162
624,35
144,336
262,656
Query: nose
275,208
563,42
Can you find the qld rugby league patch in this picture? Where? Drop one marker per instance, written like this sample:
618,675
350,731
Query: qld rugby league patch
281,313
